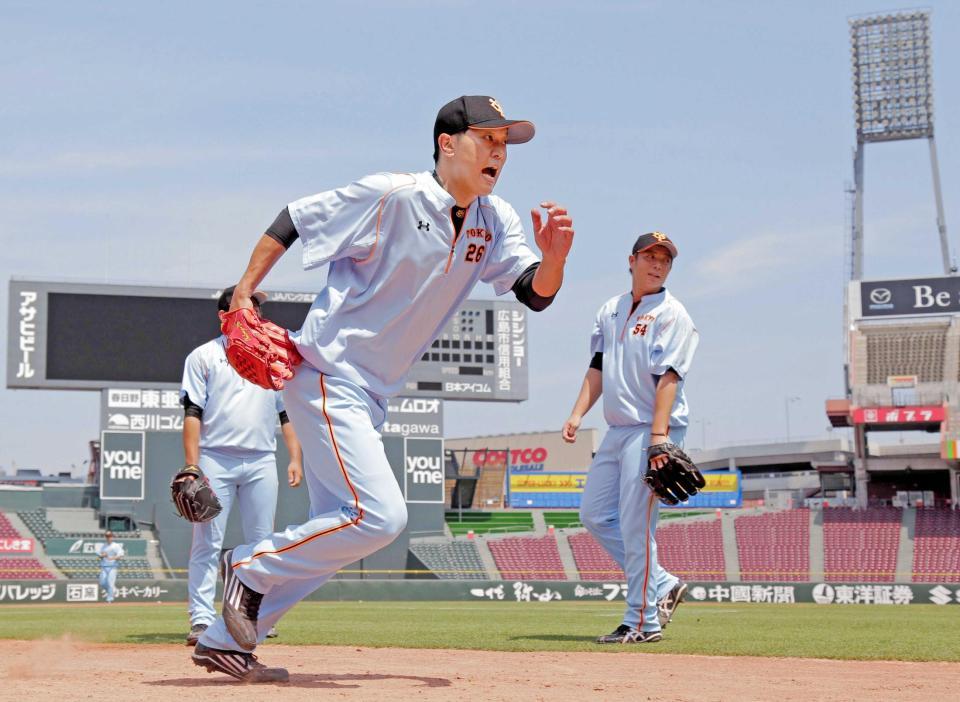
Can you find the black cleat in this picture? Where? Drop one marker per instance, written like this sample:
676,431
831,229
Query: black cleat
242,666
668,605
241,606
195,631
273,633
624,634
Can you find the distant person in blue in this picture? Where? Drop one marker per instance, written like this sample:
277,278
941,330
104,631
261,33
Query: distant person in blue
110,553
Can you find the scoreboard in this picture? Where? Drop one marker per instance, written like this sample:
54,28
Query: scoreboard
92,336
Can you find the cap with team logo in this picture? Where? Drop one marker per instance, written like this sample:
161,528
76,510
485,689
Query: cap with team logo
223,304
479,112
648,241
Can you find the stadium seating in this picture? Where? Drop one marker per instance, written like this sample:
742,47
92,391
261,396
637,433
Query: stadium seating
918,350
451,560
860,545
527,558
693,551
88,568
500,522
774,546
7,530
14,568
936,554
36,520
592,560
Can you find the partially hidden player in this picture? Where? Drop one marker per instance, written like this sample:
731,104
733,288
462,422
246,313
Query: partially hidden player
229,440
643,343
404,251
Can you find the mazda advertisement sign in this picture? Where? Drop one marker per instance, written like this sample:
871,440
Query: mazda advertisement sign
917,296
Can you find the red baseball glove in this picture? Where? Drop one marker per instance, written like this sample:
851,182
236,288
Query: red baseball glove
258,349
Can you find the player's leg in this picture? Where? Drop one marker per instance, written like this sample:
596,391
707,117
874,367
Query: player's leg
639,509
104,584
600,503
112,583
337,424
221,470
257,495
257,499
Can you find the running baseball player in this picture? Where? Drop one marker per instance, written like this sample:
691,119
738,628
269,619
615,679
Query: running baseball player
643,343
229,435
110,554
404,251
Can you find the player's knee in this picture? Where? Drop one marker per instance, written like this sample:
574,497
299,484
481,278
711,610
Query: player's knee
392,518
593,520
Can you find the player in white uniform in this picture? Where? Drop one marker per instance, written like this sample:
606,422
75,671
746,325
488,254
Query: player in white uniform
110,553
404,251
229,431
643,343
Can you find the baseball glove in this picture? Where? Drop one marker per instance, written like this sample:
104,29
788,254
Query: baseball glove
258,349
675,481
194,499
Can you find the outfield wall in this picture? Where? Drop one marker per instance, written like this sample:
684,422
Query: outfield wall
59,591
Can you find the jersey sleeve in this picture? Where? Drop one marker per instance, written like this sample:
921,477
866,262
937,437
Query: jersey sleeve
194,382
340,223
510,255
596,338
280,407
675,344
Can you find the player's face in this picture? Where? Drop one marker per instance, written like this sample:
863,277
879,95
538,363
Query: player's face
479,159
650,269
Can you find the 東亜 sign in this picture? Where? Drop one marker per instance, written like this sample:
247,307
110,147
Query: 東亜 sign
917,296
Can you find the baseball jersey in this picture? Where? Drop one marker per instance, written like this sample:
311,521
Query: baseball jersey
109,553
237,415
637,348
397,271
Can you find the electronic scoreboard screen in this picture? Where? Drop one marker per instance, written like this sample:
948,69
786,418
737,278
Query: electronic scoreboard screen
76,336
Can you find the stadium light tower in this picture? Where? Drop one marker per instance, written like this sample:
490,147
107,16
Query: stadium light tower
892,100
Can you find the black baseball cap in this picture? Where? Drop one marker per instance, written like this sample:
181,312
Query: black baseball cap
479,112
223,304
651,239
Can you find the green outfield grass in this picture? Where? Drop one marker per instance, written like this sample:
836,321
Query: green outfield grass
914,632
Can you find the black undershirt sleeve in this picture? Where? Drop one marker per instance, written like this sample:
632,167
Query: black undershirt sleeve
597,361
191,409
284,419
282,229
523,289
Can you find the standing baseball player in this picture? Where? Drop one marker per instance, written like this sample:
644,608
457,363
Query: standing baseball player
229,433
643,343
404,251
110,553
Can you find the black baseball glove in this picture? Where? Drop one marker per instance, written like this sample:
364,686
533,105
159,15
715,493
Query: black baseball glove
193,497
676,480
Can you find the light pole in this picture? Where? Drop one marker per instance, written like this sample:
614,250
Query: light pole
787,401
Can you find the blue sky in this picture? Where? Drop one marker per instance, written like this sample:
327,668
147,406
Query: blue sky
153,144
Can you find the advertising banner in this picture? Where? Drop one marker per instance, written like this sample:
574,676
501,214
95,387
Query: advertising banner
122,465
58,546
16,545
531,591
916,296
899,415
724,489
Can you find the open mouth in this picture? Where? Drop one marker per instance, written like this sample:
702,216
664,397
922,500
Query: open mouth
490,172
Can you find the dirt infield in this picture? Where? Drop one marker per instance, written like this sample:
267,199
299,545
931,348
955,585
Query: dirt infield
68,670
